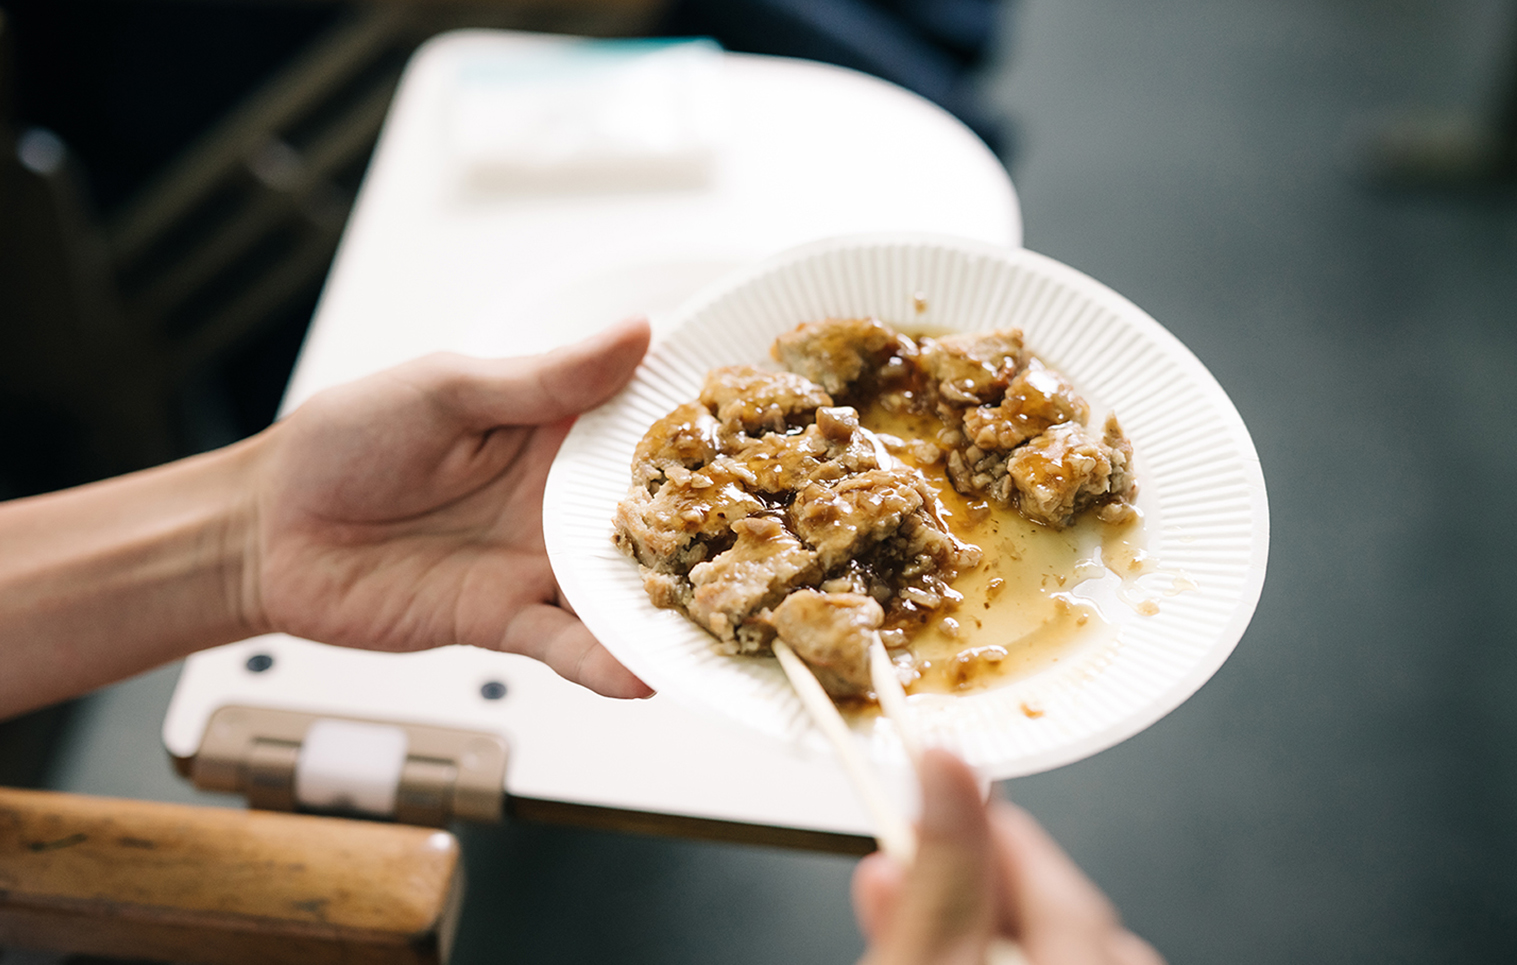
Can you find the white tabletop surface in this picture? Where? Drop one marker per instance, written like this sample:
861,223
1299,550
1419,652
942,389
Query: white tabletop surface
430,262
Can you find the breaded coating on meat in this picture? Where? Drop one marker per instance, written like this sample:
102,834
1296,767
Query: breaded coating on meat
837,352
882,534
749,400
775,463
832,632
685,438
972,368
976,472
1066,469
765,563
829,449
660,531
1123,484
845,520
1037,398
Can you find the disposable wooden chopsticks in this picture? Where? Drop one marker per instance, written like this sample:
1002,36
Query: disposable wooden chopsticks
892,697
894,833
892,830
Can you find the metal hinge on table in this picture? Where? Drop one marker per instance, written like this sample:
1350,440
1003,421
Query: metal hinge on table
286,760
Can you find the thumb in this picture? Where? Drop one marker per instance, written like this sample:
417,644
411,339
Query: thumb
945,911
539,389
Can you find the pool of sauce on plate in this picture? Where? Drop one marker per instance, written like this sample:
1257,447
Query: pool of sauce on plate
1017,615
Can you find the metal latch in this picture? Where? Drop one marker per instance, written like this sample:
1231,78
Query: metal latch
284,760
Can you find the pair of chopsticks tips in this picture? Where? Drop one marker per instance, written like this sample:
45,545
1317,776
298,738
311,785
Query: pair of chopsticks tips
892,830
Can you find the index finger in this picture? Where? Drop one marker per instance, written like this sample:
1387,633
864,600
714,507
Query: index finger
546,633
1050,901
944,911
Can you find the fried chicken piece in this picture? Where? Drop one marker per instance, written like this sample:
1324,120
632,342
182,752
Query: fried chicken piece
1060,473
775,463
972,368
747,502
1066,469
834,446
927,546
837,352
840,522
851,446
1122,481
685,438
765,563
910,572
976,472
832,632
748,400
1037,398
660,530
1123,484
882,533
667,591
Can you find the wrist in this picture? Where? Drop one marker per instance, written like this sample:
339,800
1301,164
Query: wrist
193,548
237,540
103,581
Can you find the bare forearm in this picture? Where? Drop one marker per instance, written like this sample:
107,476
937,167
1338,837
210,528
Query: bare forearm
107,580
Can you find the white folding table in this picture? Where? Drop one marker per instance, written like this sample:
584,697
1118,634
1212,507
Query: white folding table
432,260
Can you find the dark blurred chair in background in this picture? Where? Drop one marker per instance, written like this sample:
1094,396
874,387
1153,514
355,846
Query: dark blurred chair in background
80,391
127,337
112,330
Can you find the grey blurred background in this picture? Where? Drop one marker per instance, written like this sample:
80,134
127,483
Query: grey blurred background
1314,195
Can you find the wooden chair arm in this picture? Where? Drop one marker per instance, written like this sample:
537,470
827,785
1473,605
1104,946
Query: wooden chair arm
221,887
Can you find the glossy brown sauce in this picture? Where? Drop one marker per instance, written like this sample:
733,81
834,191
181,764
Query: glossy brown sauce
1017,615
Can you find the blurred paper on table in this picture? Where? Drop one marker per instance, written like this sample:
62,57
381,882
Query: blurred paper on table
590,115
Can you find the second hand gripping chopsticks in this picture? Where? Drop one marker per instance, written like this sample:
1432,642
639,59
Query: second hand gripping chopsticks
894,833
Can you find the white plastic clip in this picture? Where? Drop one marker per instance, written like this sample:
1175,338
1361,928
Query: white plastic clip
345,765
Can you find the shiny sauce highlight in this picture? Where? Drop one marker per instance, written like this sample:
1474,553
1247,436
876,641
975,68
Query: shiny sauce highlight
1018,615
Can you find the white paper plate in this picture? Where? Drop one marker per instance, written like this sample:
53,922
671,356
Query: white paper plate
1201,490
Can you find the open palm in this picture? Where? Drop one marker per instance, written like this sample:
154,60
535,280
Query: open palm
404,511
